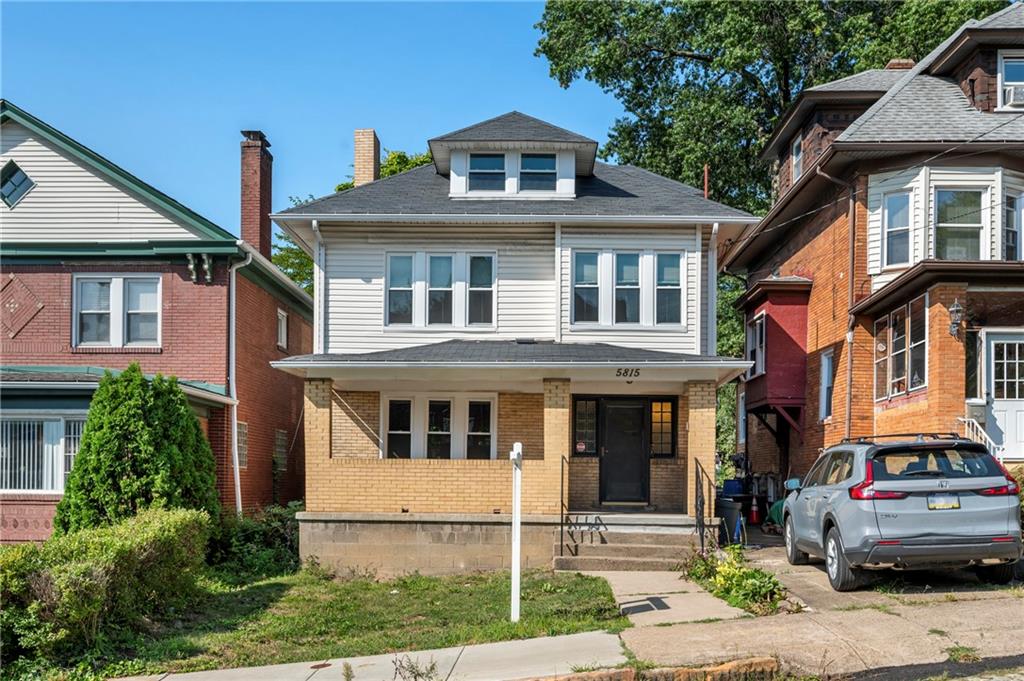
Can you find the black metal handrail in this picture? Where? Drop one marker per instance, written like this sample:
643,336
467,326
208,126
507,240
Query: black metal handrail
562,510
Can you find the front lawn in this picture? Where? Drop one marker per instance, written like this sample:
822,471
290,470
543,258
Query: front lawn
309,616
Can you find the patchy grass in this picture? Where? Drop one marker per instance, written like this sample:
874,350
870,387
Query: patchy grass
938,632
962,654
880,607
310,616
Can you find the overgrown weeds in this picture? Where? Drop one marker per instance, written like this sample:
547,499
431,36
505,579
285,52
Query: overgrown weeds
727,575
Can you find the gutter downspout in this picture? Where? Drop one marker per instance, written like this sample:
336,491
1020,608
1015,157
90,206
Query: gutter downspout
713,291
318,293
232,390
851,229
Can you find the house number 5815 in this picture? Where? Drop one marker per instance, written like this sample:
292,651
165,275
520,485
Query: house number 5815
627,373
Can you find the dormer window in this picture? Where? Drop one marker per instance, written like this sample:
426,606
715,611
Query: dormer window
797,157
487,172
14,184
1011,79
537,172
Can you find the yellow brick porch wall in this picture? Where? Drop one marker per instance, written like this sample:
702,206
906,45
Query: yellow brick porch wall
345,474
700,442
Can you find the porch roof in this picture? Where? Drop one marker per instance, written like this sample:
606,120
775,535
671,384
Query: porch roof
543,357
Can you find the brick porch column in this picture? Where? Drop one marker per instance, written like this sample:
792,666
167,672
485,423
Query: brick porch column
317,418
557,410
700,441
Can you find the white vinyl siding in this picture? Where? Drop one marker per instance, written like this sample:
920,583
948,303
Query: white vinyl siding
71,202
355,273
689,336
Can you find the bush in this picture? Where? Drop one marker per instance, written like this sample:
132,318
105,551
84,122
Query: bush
61,597
265,545
727,576
142,447
1018,474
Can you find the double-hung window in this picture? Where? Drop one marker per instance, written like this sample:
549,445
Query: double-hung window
896,228
439,429
481,290
958,224
37,453
797,156
901,350
478,429
439,291
627,288
117,311
668,299
399,439
435,426
756,342
1011,77
585,290
826,384
399,305
487,172
1011,229
537,172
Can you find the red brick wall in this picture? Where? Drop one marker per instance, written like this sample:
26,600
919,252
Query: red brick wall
27,517
979,72
268,399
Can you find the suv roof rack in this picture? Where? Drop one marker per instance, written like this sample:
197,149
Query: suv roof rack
918,437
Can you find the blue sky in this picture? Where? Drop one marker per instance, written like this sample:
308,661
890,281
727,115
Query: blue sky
163,89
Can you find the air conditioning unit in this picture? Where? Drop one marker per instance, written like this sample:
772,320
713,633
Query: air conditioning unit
1014,96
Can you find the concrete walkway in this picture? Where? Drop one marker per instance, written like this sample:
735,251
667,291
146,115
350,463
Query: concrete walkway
660,598
530,658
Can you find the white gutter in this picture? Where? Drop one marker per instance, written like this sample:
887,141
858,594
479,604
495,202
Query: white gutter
282,278
713,291
232,391
512,219
318,289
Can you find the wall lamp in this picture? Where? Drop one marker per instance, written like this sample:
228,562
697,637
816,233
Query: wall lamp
956,315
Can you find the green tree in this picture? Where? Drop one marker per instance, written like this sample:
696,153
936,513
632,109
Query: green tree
293,261
684,68
142,447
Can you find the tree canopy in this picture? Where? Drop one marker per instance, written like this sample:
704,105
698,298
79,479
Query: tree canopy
293,261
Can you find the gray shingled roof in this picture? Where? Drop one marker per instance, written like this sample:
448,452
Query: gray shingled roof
513,127
507,352
611,191
872,80
925,108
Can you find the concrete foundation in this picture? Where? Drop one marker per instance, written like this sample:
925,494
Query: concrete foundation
391,544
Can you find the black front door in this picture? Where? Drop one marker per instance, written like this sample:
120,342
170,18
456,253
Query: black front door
624,459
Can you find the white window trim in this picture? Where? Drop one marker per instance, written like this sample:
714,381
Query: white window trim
520,171
450,288
58,415
503,172
421,287
513,166
493,288
1018,212
796,157
638,287
459,427
681,287
741,417
118,309
282,325
606,287
759,367
1001,84
908,229
984,251
823,385
909,345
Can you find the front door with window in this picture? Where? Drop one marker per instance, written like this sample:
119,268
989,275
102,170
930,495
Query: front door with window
1005,422
624,451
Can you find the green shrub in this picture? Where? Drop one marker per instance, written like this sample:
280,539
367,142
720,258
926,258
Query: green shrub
727,576
1018,474
61,597
264,545
142,447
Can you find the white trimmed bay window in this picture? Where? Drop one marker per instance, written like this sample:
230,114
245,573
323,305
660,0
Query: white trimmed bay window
958,224
440,426
37,452
117,310
901,350
896,229
627,288
442,290
756,342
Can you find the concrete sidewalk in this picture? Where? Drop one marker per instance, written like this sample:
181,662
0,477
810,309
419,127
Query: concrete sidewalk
660,598
508,660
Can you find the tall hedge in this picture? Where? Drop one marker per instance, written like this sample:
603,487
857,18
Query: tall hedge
142,447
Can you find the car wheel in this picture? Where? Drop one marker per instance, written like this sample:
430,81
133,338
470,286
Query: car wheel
841,575
794,555
996,574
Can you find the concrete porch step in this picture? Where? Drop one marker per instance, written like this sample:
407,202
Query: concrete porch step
675,551
606,563
575,536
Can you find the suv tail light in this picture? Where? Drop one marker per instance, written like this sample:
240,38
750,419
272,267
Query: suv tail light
865,491
1010,489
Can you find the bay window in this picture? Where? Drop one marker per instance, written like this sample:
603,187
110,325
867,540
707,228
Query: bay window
117,311
896,228
440,290
37,453
901,351
439,426
756,342
958,224
1011,229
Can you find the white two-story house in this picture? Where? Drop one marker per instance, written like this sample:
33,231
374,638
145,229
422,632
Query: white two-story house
514,290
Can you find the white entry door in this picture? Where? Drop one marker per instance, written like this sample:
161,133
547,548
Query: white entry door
1005,423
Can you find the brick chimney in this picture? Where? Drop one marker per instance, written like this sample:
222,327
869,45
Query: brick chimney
257,169
900,64
367,161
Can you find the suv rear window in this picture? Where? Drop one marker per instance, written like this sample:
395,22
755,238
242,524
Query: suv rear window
935,463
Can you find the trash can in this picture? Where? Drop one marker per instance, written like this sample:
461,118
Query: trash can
732,515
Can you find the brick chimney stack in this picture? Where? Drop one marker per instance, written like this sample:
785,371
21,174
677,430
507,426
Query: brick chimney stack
257,169
900,64
367,157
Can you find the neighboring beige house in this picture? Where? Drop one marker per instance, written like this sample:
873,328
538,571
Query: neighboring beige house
516,290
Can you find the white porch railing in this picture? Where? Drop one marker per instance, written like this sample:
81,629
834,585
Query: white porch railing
974,431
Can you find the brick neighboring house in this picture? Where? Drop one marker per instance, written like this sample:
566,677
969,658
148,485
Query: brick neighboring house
100,270
514,290
885,288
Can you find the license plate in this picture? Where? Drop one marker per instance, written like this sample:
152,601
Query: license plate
943,502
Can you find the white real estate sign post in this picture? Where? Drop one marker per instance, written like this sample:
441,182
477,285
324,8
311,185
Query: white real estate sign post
516,455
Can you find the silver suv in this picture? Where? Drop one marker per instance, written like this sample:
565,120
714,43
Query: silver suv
930,502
